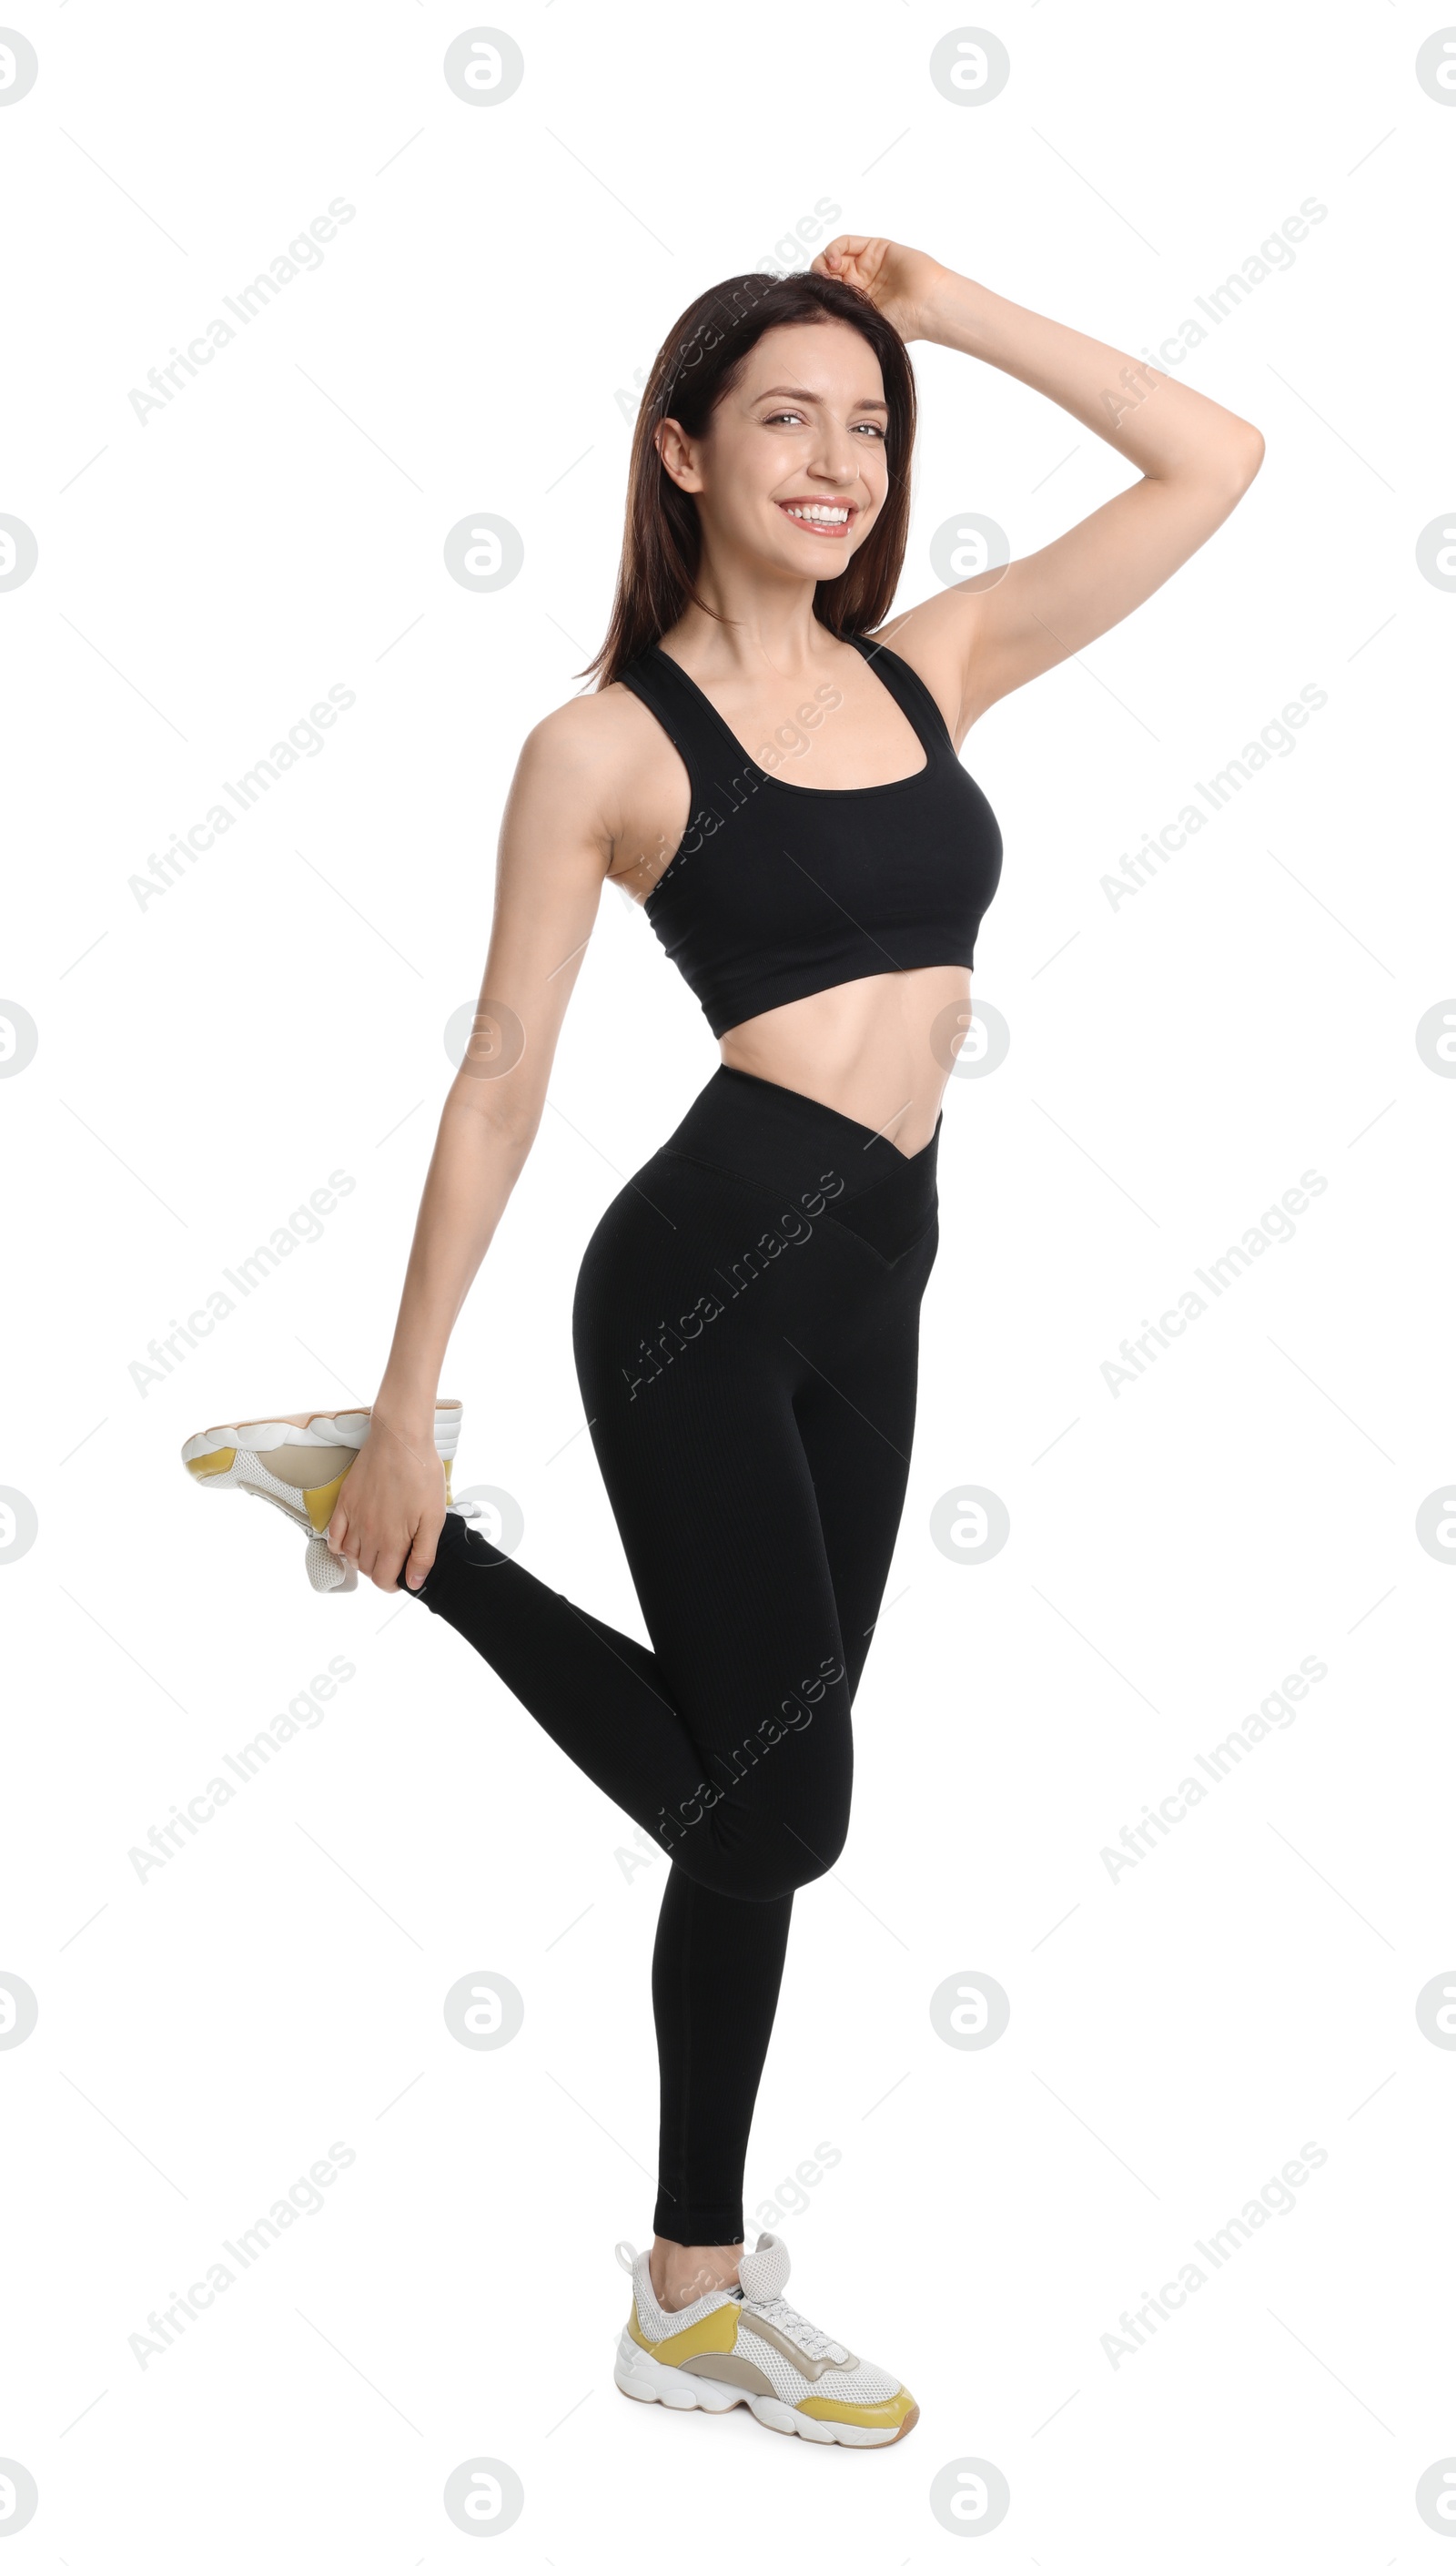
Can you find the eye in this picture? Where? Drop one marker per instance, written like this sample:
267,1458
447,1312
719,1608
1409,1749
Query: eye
874,427
774,416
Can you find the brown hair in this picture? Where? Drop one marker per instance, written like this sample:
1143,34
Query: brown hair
698,363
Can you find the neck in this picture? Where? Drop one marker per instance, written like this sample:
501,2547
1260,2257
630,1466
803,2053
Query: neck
765,626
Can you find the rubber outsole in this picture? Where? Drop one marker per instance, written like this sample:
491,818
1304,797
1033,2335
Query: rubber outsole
341,1426
656,2383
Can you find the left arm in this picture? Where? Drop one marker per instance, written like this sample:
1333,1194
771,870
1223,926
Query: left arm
978,640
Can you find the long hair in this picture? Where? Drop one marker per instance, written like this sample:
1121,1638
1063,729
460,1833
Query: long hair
698,363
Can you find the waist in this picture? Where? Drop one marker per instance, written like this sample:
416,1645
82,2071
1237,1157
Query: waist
780,1142
878,1048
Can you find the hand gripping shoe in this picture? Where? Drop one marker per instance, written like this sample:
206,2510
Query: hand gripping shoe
299,1463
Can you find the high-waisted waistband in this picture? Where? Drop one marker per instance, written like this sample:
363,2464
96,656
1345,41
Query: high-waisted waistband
781,1142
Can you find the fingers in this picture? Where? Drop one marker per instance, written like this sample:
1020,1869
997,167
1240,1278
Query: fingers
420,1561
347,1542
386,1566
381,1561
378,1559
854,258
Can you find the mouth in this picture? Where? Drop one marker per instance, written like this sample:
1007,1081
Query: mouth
831,518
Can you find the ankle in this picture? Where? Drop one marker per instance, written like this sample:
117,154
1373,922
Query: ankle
681,2273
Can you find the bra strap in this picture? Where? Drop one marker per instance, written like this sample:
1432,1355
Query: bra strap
910,693
695,730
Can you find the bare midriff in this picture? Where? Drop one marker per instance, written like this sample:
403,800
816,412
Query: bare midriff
879,1050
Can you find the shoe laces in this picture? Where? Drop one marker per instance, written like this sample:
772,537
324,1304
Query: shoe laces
810,2338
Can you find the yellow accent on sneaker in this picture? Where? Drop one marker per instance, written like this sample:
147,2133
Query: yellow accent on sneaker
897,2413
321,1502
208,1465
716,2332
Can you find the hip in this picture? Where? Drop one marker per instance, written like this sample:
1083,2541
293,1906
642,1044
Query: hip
767,1200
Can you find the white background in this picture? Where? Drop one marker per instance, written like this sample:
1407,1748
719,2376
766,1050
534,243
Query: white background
1177,1062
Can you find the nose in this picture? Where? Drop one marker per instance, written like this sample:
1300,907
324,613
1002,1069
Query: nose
836,460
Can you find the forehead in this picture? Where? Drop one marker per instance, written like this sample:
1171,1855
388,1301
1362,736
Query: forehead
827,358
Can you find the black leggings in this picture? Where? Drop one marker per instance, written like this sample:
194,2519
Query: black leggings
746,1329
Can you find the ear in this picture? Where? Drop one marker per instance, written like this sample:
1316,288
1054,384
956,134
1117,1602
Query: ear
677,455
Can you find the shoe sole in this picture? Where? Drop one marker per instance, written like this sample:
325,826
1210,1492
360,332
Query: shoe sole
656,2383
348,1428
210,1457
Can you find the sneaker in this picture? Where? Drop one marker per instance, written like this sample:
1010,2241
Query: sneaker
300,1463
747,2347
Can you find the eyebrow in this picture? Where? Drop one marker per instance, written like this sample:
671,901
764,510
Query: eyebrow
794,391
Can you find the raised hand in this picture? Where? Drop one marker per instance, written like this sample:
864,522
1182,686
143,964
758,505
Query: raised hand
898,281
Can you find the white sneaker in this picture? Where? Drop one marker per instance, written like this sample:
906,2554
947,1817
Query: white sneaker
300,1463
746,2346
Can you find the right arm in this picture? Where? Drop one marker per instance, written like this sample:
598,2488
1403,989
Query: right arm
556,843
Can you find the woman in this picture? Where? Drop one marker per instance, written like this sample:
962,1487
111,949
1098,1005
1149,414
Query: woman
783,793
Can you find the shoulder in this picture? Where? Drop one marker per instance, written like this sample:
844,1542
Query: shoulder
591,736
585,746
575,738
585,762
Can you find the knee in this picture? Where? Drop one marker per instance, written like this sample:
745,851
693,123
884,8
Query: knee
794,1856
761,1866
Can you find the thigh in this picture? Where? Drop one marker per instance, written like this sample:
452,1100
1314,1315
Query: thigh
689,1387
855,1411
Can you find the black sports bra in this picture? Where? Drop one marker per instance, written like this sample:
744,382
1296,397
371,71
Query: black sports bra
778,891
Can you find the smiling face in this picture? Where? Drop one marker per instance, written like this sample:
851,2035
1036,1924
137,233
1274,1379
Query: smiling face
791,469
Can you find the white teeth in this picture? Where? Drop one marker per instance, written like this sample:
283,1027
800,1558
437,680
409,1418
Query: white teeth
821,516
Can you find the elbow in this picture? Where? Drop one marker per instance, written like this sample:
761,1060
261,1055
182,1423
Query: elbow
508,1120
1245,460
